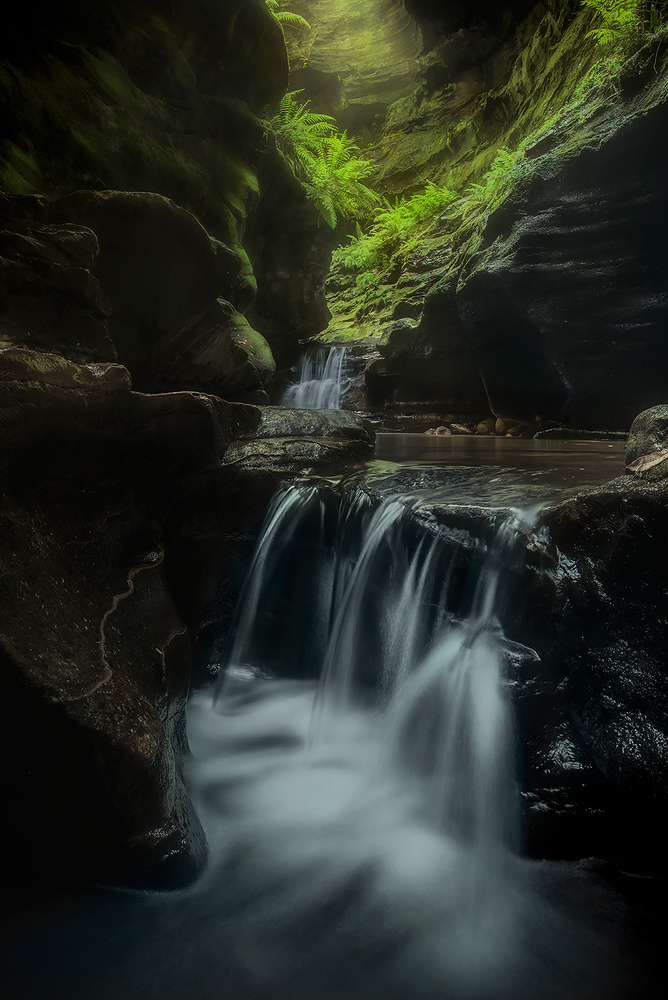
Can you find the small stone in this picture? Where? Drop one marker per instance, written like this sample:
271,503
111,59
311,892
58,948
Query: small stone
486,426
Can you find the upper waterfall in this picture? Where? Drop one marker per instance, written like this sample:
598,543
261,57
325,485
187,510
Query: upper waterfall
320,380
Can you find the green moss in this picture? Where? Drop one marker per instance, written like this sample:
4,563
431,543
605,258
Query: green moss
89,124
556,95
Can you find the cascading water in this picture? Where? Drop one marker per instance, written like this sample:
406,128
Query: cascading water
365,825
320,380
355,777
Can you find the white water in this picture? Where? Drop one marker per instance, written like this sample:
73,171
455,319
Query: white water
364,828
320,380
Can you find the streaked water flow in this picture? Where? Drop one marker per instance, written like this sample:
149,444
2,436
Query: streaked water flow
360,801
354,774
319,381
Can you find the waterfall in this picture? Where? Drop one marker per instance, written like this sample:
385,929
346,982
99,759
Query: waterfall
355,779
320,380
368,600
355,775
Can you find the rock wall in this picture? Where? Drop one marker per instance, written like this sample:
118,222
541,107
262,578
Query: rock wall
565,302
547,307
168,97
354,64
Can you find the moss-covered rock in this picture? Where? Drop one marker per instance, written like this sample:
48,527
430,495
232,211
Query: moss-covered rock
565,301
144,96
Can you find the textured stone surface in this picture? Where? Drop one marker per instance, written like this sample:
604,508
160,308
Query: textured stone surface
298,441
610,651
170,322
49,296
566,301
647,445
354,66
290,248
95,659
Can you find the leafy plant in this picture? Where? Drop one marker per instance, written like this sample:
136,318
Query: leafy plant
495,184
300,132
395,229
335,181
325,160
624,22
286,16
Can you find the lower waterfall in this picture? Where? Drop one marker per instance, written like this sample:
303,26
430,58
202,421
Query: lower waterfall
365,823
354,770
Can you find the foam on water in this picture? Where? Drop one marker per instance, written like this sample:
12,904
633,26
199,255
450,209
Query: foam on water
362,827
367,832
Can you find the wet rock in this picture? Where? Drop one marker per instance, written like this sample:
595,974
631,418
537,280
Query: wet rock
299,441
646,448
486,426
94,657
209,535
610,651
564,302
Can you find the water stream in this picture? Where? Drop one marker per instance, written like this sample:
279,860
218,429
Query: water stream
354,770
360,799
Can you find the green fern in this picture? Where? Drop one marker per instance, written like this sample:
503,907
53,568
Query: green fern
286,16
624,23
395,229
495,184
299,131
326,161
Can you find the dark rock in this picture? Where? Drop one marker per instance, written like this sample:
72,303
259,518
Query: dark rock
288,441
648,439
49,297
146,95
170,323
610,651
433,359
209,535
565,302
95,659
290,248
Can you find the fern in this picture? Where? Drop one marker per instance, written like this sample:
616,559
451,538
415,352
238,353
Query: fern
624,23
495,185
394,230
286,16
326,161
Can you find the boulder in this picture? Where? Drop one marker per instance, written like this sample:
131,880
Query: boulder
647,445
94,657
167,283
294,442
608,659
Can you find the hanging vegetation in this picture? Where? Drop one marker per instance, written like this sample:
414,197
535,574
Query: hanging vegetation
624,23
325,160
286,16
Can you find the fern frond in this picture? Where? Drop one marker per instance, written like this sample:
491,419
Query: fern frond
287,17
